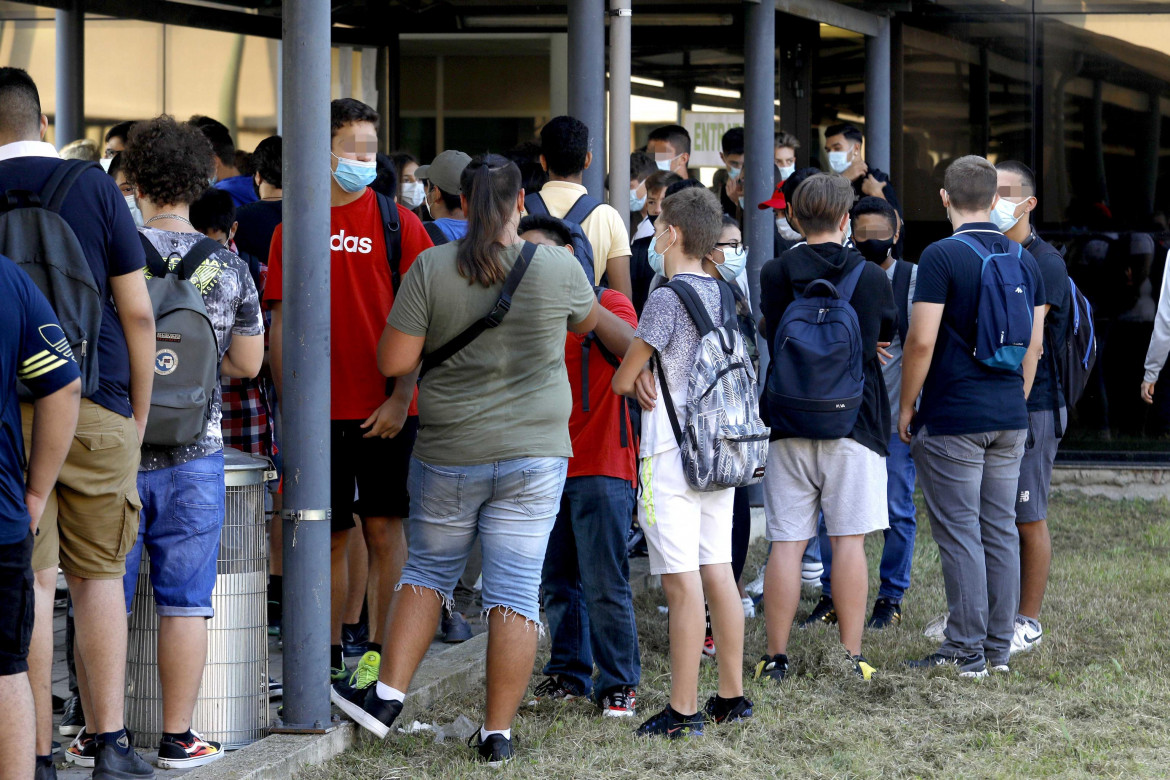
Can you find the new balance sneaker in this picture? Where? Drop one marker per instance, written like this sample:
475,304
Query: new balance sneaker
554,689
495,750
354,639
823,614
82,750
971,666
619,703
365,675
886,613
719,710
1027,635
772,667
755,588
936,629
709,646
456,629
119,761
672,725
186,751
810,574
749,607
72,721
372,713
861,667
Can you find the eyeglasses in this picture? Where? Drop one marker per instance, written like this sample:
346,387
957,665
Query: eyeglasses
732,245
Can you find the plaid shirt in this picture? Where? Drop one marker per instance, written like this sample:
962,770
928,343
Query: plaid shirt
247,418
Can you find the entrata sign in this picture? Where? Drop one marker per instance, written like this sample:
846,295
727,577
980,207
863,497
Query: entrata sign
706,133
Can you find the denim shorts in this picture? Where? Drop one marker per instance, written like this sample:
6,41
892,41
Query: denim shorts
510,505
182,515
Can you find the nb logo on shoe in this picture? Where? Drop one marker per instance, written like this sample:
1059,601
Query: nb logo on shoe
343,243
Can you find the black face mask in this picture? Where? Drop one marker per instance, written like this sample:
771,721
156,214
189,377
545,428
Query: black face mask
875,250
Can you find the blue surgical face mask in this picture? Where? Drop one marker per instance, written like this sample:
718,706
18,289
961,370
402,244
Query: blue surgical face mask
636,203
734,172
786,171
657,259
734,262
354,175
1004,215
848,231
839,161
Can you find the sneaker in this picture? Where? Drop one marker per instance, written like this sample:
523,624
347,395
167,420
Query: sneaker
749,607
886,613
937,629
1027,635
1002,668
372,713
72,721
338,674
619,703
82,750
112,764
672,726
354,639
971,666
275,690
495,750
365,675
755,588
709,646
823,614
456,629
45,771
861,667
717,710
188,751
774,667
811,573
554,690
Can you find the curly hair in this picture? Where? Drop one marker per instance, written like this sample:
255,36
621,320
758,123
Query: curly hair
169,162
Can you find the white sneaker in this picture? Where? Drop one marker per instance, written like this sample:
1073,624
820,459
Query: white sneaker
749,607
810,574
755,588
1026,637
936,629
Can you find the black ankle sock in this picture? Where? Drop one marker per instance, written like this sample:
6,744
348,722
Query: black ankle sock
45,760
112,737
350,628
679,716
727,703
185,736
335,656
275,587
373,646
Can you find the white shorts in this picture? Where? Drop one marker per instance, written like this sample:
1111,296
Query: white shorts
685,529
844,479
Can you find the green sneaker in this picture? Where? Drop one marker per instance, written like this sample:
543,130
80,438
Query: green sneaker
365,675
337,675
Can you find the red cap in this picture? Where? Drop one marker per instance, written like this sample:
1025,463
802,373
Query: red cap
777,199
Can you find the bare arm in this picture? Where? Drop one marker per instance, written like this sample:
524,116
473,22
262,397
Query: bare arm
1032,356
275,347
590,321
614,332
618,270
244,356
137,318
633,378
916,356
54,421
399,354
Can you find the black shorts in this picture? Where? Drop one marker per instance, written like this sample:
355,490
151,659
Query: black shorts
16,605
369,475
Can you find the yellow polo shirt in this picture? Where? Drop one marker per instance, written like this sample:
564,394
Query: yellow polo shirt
604,227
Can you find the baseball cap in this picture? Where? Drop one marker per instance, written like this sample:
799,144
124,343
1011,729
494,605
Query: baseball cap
445,170
777,200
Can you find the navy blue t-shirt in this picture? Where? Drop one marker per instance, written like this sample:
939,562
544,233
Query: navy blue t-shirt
1045,395
96,211
960,394
33,349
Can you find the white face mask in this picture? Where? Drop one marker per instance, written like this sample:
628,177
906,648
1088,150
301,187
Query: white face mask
1004,214
412,194
839,161
663,165
135,212
734,172
785,230
786,171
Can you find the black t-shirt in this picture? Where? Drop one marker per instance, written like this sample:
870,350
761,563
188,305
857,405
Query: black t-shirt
97,213
1045,395
257,222
785,277
641,274
960,394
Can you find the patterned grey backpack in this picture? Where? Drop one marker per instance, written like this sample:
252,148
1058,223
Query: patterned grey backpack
724,442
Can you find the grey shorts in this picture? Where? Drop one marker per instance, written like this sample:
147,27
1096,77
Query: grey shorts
1036,466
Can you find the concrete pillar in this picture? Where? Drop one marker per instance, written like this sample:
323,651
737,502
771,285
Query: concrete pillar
558,74
619,107
897,103
587,81
389,85
877,97
759,82
69,120
306,398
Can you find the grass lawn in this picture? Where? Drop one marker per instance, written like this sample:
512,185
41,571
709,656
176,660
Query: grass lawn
1092,701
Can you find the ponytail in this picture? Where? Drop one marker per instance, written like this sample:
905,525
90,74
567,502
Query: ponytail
491,184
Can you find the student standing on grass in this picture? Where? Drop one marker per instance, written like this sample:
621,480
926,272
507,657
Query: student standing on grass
493,447
968,433
688,533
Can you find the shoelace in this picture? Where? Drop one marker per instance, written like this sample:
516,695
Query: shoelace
365,675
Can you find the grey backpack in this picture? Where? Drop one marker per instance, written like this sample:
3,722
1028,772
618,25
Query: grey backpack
186,357
724,442
35,236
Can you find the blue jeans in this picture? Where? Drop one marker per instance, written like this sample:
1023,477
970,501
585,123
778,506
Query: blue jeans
509,504
898,552
182,515
587,596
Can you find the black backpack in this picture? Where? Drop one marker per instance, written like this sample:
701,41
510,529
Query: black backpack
38,239
590,341
392,233
1072,365
582,208
438,237
901,285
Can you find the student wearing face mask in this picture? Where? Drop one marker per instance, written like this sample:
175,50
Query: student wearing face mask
440,181
641,168
117,171
670,146
727,184
843,151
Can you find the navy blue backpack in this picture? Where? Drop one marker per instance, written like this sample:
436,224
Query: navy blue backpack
1003,323
816,379
582,208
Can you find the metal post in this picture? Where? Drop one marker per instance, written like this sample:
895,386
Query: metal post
69,122
759,81
619,107
389,65
877,97
587,81
306,364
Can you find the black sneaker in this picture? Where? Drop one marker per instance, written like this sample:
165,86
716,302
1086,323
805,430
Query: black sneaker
822,614
971,666
774,667
354,639
72,721
374,714
495,750
455,628
720,710
46,770
187,751
620,703
861,667
886,613
671,725
553,689
112,764
82,751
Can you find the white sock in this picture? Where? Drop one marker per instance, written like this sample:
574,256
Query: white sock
386,693
484,733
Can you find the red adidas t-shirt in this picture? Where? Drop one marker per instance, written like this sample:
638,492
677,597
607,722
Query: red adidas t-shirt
360,298
596,434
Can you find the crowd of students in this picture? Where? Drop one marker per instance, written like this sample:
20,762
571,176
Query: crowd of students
509,366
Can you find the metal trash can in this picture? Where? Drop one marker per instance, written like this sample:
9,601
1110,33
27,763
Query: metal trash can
233,698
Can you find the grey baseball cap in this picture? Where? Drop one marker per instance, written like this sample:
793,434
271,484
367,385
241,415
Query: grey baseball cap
445,170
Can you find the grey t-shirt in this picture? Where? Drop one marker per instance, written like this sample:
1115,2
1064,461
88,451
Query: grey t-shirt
234,308
506,395
892,370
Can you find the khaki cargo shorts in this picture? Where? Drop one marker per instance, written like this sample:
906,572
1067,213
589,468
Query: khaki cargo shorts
91,519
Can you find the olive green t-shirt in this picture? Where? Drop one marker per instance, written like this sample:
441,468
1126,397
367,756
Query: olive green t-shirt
506,394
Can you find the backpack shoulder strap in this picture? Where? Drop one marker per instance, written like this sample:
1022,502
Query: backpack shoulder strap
970,243
154,261
582,208
392,237
491,320
64,177
727,301
534,204
436,233
694,306
203,249
848,284
901,284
